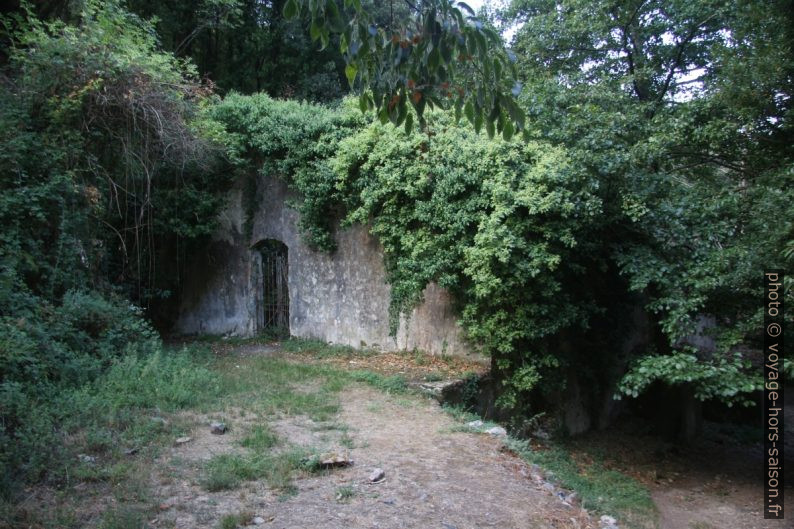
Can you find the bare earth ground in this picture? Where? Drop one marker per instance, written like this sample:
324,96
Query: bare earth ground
435,477
705,486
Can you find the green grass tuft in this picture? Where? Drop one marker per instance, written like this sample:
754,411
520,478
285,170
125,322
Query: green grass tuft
229,471
124,518
345,493
388,384
233,521
260,439
601,489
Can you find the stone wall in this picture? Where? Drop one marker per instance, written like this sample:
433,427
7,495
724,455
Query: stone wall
341,298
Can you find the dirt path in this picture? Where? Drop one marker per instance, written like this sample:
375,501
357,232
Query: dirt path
436,477
718,486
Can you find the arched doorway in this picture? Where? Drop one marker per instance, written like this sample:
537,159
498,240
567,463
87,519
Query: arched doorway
273,305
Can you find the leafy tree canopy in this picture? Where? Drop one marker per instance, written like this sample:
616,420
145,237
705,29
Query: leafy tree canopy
440,55
683,111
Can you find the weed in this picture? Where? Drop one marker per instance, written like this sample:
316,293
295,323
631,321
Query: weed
124,518
320,349
260,438
601,489
330,426
388,384
233,521
459,413
285,391
228,471
420,358
345,493
347,441
435,376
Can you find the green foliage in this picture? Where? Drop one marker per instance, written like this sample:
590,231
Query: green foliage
388,384
497,223
345,493
124,518
260,438
163,380
228,471
291,140
440,55
599,488
723,378
107,161
247,46
103,408
321,349
681,111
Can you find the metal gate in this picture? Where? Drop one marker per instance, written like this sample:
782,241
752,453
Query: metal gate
274,305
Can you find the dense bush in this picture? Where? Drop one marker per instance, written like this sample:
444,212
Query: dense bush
109,165
102,413
109,168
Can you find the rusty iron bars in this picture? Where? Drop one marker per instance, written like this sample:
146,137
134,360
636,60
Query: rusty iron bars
274,312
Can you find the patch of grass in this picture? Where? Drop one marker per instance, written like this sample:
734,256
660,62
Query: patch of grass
459,413
345,493
321,349
388,384
330,426
601,489
260,439
347,441
228,471
275,386
420,357
435,376
233,521
124,517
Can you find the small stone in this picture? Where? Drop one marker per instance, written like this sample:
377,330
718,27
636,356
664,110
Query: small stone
542,434
165,506
497,431
607,521
332,460
475,424
258,520
131,451
549,486
86,458
570,498
218,428
183,440
377,475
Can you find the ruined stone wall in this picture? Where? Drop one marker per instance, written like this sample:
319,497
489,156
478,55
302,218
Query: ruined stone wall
341,298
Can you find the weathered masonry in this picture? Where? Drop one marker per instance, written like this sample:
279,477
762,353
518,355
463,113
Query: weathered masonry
242,285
